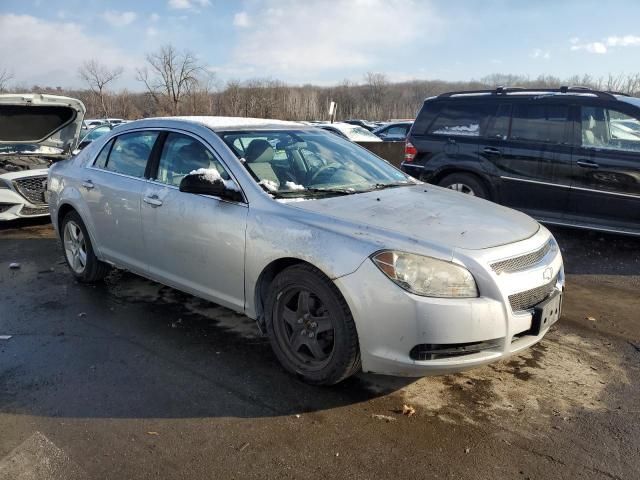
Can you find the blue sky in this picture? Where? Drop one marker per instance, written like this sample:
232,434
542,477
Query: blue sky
322,41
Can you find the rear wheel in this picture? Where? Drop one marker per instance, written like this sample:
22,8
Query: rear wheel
78,251
310,327
465,183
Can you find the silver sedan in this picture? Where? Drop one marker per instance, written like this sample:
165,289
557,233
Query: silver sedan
345,262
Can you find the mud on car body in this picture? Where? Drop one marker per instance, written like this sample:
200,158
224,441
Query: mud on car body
346,262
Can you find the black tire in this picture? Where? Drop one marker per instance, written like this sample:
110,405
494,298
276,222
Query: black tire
293,344
466,183
93,270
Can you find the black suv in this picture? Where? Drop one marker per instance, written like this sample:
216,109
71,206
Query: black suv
567,156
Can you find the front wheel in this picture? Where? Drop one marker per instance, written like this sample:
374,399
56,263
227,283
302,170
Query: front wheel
78,251
310,326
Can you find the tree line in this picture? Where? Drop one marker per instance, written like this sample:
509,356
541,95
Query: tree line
175,82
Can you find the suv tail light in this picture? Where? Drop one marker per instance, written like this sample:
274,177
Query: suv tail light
409,152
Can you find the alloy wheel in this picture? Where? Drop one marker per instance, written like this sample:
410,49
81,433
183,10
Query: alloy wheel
305,328
75,247
462,188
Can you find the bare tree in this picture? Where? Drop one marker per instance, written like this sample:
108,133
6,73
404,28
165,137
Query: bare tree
97,77
170,75
5,77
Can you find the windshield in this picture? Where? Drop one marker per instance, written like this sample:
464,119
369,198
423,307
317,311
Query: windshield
311,162
355,132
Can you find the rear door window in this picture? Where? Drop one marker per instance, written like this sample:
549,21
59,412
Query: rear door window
540,123
130,153
467,119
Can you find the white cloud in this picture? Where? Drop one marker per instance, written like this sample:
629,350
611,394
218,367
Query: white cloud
44,56
296,39
119,19
154,17
241,19
151,32
187,4
605,45
626,41
540,54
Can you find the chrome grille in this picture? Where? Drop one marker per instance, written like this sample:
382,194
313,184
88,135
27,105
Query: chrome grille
32,188
524,262
530,298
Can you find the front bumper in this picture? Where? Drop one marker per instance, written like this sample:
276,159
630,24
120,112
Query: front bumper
13,205
392,322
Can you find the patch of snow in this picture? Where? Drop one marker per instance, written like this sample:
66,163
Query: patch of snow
472,130
212,175
270,185
227,122
293,186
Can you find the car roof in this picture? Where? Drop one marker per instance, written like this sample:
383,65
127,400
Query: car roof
232,123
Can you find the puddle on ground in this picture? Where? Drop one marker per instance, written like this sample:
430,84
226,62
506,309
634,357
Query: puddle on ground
132,288
562,373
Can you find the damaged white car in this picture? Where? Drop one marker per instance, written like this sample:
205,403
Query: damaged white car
344,261
35,131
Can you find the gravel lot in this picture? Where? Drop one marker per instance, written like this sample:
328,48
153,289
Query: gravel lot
131,379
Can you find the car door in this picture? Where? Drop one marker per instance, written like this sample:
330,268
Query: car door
112,188
534,161
193,242
606,168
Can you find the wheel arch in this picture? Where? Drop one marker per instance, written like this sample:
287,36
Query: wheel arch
268,273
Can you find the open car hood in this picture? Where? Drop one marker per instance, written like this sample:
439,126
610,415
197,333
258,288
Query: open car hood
39,124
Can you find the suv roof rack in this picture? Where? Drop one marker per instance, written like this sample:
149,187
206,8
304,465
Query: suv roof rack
564,89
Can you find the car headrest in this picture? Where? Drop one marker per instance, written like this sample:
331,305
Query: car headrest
190,157
259,151
592,122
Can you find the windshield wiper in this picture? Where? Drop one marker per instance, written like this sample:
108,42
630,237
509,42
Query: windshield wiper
382,186
315,191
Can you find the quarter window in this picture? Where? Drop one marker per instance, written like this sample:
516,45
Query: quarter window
539,123
130,153
101,159
463,119
610,129
182,154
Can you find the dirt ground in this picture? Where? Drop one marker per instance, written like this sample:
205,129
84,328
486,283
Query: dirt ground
131,379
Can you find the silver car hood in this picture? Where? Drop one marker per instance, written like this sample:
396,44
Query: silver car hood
425,213
39,124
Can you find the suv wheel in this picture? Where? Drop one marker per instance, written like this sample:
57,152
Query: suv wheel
310,327
465,183
78,251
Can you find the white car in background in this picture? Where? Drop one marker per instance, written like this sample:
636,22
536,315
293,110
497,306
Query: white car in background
355,133
35,131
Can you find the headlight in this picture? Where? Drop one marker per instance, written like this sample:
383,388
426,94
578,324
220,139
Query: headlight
426,276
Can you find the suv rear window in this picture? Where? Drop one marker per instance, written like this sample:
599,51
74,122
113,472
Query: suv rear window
463,119
539,123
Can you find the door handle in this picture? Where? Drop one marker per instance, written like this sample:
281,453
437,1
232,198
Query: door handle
88,184
153,200
491,151
587,164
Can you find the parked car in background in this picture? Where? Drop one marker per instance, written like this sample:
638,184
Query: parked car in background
354,133
568,156
92,135
362,123
93,122
393,132
346,262
35,131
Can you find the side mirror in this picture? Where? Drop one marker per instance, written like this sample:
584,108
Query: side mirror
83,144
203,184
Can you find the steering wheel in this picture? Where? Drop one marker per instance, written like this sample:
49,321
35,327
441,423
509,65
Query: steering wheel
321,170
